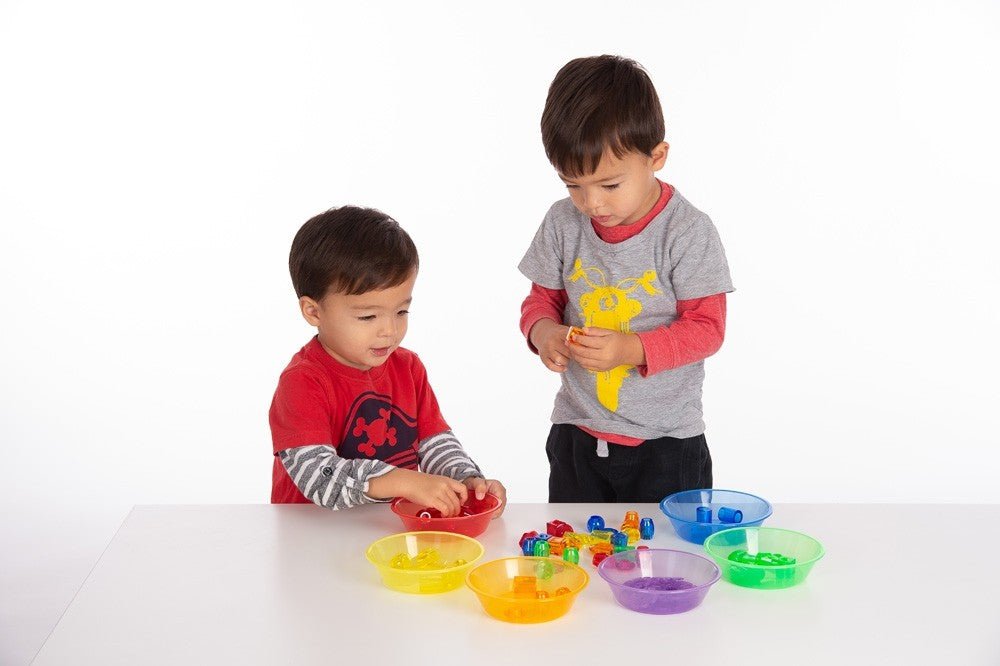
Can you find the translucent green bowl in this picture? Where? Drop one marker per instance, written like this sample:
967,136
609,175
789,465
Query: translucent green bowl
757,540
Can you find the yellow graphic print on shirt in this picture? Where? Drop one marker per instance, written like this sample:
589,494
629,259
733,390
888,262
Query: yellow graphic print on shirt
612,308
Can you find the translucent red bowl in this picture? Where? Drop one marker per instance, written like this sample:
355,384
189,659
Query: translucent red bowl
473,521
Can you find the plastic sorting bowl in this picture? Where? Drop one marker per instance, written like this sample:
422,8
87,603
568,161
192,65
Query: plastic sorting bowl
476,518
805,549
657,580
681,509
496,584
450,547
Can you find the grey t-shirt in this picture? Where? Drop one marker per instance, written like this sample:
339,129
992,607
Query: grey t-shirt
631,286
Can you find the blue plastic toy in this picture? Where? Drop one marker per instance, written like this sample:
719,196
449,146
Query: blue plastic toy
646,528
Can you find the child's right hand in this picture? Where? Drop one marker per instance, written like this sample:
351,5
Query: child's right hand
549,339
430,490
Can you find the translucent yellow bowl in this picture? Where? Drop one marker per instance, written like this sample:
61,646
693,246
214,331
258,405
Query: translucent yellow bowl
527,589
449,546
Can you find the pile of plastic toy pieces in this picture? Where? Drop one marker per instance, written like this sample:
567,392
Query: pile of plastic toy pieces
761,559
560,540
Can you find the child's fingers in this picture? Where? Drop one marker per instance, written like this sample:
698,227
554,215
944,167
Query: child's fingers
461,492
478,486
595,332
553,365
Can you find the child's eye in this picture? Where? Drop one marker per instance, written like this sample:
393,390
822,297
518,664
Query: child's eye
612,187
367,318
571,187
402,313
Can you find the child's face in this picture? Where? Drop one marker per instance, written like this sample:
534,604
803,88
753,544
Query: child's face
620,191
362,330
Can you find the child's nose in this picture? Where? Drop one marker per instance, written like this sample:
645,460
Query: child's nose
388,328
592,201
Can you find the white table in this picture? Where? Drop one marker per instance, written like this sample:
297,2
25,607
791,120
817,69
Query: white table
261,584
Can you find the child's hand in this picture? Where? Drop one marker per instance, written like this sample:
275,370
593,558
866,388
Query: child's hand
601,349
438,492
482,486
549,339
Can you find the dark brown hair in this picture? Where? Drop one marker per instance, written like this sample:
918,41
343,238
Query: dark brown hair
598,103
351,250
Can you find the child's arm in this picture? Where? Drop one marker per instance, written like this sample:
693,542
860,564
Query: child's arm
696,334
339,483
542,326
329,480
443,454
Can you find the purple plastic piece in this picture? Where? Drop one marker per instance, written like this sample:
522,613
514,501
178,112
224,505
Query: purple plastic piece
661,582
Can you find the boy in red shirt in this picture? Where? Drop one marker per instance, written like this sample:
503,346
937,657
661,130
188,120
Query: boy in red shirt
354,419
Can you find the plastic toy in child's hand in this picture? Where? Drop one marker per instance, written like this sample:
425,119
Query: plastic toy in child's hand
572,333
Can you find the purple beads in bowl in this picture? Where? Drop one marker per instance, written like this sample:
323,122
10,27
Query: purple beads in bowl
659,581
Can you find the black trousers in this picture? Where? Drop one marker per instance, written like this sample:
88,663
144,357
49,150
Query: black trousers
645,473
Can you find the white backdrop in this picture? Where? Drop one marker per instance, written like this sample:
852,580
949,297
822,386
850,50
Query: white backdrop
155,162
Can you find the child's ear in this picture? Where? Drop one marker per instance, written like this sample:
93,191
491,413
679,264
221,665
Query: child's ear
659,155
310,310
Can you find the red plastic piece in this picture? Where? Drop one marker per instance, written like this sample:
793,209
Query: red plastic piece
557,528
525,537
598,558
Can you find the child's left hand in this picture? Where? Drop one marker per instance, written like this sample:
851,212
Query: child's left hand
481,486
601,349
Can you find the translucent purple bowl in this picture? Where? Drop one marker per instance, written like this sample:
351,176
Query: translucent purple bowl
658,581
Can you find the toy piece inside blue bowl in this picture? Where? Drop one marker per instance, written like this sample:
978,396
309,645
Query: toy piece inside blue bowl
682,509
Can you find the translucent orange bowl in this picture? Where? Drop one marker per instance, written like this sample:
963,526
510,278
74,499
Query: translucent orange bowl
527,589
454,555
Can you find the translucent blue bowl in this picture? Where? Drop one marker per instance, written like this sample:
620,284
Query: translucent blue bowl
680,508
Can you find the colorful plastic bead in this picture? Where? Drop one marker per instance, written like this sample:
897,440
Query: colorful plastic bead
528,548
542,549
601,547
556,546
631,519
525,585
598,558
703,514
603,535
571,554
727,515
622,548
525,537
646,528
557,528
562,590
541,594
631,534
544,570
642,547
619,539
595,523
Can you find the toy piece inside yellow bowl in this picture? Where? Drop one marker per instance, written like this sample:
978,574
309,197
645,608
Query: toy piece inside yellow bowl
424,562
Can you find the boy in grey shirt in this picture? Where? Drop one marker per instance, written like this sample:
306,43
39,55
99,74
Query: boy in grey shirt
643,272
